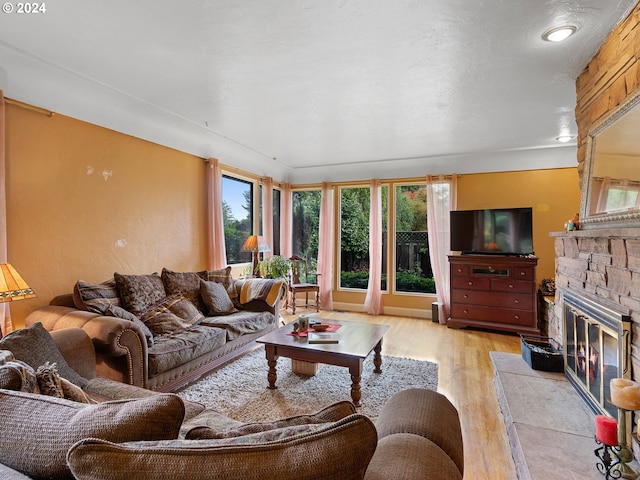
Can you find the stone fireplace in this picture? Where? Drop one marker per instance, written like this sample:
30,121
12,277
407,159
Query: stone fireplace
598,272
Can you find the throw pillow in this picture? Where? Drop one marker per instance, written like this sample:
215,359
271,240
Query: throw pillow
170,315
37,431
34,346
186,283
17,375
333,451
119,312
95,297
139,291
216,298
224,277
53,385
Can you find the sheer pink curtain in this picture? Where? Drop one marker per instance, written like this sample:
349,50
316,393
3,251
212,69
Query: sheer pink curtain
325,248
286,217
267,213
216,250
5,314
441,199
373,300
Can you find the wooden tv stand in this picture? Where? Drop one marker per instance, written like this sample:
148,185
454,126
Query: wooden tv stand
495,292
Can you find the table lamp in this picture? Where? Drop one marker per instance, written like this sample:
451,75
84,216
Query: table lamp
12,286
256,245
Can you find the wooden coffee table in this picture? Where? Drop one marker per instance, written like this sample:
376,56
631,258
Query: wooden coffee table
357,341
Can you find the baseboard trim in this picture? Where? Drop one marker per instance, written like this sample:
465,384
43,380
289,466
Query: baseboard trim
398,311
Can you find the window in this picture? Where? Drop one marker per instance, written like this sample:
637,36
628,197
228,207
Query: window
354,237
305,227
413,267
237,214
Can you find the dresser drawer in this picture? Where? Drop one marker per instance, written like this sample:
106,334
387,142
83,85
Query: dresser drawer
502,300
524,273
459,270
501,285
492,314
471,283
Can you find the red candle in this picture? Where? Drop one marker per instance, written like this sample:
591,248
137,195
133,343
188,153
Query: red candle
606,430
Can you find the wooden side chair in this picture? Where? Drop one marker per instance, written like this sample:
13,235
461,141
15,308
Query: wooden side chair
302,281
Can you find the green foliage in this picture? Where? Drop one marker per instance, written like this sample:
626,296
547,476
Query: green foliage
305,226
275,267
359,280
410,282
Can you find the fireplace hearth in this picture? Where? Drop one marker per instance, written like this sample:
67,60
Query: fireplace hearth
596,343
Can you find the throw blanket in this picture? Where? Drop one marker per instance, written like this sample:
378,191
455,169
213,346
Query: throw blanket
264,289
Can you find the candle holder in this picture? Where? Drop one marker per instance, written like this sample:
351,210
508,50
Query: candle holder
608,460
616,460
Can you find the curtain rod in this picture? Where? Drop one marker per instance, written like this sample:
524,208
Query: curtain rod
26,106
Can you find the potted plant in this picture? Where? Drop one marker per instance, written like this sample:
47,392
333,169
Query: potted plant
275,267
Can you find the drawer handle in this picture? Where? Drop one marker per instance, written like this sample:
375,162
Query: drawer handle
517,317
459,270
466,296
516,301
522,274
470,283
466,311
511,286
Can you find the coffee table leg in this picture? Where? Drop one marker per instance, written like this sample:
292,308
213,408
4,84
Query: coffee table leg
377,357
356,375
272,360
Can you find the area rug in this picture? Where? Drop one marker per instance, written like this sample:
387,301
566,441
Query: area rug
239,390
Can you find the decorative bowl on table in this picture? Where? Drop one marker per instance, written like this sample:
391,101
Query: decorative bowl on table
320,327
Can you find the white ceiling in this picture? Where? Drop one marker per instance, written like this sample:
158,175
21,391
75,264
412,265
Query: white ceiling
308,90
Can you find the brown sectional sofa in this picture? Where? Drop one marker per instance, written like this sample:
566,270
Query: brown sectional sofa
127,351
417,434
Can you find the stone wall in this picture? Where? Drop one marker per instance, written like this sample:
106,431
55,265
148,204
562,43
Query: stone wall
612,75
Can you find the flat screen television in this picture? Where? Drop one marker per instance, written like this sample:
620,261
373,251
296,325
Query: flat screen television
499,231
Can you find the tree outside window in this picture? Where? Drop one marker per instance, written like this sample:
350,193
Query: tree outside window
237,214
305,226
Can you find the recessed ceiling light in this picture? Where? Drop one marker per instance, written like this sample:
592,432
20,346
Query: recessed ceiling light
565,138
558,34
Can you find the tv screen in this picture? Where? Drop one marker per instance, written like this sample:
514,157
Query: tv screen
500,231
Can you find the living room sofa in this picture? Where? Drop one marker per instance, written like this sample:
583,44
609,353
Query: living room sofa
158,435
162,332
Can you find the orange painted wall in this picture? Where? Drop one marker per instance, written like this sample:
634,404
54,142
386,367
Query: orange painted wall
554,196
65,223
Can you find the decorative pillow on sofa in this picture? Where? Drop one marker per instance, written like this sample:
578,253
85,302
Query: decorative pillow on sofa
52,384
216,299
119,312
139,291
170,315
186,283
37,431
95,297
224,277
17,375
34,346
333,451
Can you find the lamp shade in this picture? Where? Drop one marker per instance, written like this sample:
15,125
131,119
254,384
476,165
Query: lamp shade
12,285
255,244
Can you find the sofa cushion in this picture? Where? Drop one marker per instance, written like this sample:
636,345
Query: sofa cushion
224,277
95,297
34,346
37,431
119,312
202,426
139,291
170,315
334,451
215,299
186,283
242,322
174,350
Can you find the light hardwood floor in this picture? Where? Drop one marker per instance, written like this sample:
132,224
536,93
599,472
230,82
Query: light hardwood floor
465,377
